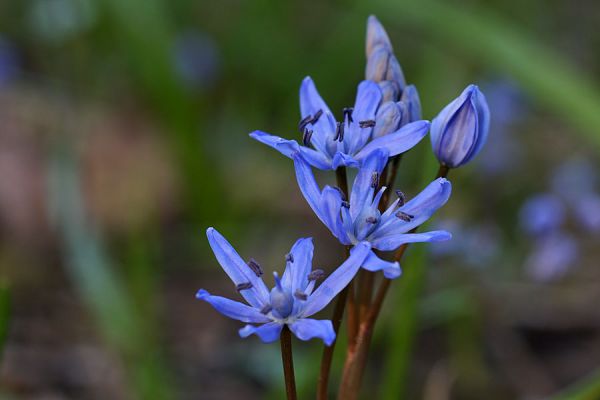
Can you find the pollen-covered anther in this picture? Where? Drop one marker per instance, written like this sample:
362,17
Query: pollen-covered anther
307,136
404,216
289,257
369,123
300,295
339,132
266,309
243,286
401,198
303,122
371,220
314,119
316,275
374,179
347,112
255,267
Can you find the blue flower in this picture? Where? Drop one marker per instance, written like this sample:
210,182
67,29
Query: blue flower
542,214
460,130
360,220
329,144
292,300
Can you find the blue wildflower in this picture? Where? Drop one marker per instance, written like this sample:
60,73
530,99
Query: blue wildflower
329,144
552,257
292,300
542,214
359,219
460,130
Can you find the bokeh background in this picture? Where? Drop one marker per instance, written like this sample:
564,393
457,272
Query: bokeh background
123,135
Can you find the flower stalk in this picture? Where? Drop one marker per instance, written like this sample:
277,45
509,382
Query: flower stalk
288,363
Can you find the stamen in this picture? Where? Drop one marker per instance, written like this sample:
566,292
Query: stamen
347,111
345,204
374,179
277,281
404,216
266,309
255,267
303,122
289,257
316,117
316,275
300,295
401,198
306,137
339,132
369,123
371,220
243,286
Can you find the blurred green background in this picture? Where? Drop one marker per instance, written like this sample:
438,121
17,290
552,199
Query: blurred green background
123,135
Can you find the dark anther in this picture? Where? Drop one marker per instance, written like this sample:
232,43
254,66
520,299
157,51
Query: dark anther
266,309
300,295
316,275
348,112
289,257
404,216
374,179
339,132
371,220
401,198
306,137
345,204
316,117
303,122
366,124
341,192
255,267
243,286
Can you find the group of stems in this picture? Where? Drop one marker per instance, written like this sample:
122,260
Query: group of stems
363,310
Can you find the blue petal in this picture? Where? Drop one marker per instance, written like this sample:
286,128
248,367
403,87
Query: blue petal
374,162
336,281
239,272
232,309
392,242
397,142
268,333
308,186
331,204
344,160
421,207
296,272
310,103
306,329
368,98
483,124
284,146
391,270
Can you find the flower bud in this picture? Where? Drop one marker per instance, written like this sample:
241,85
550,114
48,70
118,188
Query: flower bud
389,91
376,36
388,119
460,130
410,97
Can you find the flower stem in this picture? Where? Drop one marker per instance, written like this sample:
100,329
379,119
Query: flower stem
338,311
356,359
288,363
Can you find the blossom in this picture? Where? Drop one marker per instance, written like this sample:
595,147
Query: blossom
359,219
328,144
542,214
292,300
460,130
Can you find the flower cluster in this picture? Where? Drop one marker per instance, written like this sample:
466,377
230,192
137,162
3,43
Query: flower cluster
384,122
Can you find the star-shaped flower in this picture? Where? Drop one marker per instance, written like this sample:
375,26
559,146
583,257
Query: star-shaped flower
328,144
359,219
294,297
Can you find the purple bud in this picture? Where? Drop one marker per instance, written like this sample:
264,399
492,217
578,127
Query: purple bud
410,97
460,130
388,117
389,91
376,36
